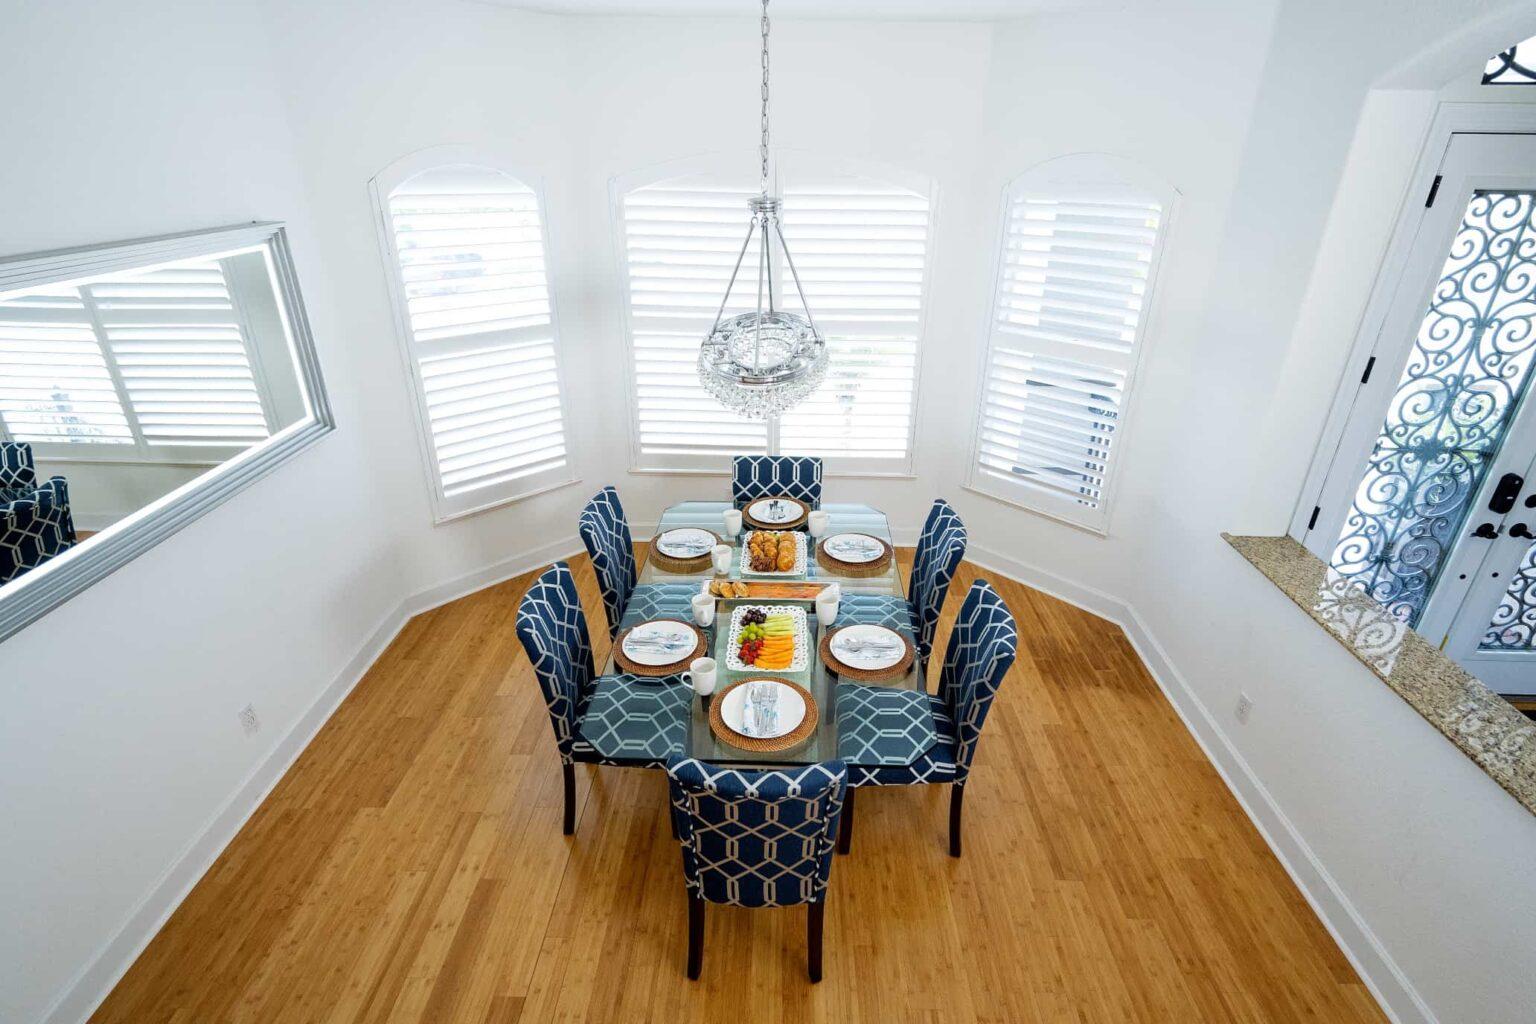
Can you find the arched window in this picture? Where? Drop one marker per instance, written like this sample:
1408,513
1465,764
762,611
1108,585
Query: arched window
470,278
859,237
1079,249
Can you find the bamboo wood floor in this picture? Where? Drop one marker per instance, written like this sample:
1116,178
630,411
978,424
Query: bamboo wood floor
410,867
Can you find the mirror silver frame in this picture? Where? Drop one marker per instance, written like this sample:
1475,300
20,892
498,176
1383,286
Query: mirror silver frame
29,598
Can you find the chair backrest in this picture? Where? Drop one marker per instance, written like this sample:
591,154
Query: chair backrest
605,532
772,476
553,630
16,466
757,839
939,551
982,647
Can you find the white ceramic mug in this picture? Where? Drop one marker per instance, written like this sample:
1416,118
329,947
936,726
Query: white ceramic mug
732,522
701,676
826,605
817,522
703,609
722,557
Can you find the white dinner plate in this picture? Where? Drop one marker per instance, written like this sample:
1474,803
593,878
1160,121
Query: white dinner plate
882,647
853,547
637,649
686,542
774,511
733,710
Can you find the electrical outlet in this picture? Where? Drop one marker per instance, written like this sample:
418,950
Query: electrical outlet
1244,707
248,720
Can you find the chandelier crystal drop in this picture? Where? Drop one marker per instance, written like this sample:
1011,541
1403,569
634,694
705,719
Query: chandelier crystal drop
761,363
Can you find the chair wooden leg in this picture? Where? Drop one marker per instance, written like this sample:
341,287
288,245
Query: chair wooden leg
569,771
695,936
845,830
956,802
815,917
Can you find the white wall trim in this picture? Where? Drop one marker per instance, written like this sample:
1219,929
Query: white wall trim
86,990
1381,974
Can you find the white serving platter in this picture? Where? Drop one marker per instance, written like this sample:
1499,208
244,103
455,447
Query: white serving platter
801,632
797,570
853,548
733,709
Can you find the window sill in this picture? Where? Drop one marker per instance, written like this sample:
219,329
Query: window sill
1005,499
1482,724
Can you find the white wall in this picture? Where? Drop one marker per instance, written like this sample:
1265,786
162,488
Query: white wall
119,741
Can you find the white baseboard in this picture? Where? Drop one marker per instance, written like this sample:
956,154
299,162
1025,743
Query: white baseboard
1385,979
1376,968
96,979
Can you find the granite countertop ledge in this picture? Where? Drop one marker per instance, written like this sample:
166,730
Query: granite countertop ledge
1485,726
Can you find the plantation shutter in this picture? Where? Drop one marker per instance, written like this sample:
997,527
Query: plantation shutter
469,247
176,339
55,386
1071,293
860,249
681,240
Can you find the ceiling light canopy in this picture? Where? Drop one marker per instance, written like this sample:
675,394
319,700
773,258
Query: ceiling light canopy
763,362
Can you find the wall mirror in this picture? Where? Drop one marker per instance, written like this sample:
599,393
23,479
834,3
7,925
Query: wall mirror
141,384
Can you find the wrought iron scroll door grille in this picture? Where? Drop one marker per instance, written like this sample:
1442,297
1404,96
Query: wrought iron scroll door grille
1431,501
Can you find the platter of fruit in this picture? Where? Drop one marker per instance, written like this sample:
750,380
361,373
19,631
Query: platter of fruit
773,638
773,553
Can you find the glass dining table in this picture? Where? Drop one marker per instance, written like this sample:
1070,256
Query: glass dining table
877,599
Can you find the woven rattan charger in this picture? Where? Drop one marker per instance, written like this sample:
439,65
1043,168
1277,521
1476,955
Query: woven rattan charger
655,671
837,567
788,524
794,737
862,675
668,563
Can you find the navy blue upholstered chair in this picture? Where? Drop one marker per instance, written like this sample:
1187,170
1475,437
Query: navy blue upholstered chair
616,720
939,551
35,520
897,737
605,532
773,476
756,839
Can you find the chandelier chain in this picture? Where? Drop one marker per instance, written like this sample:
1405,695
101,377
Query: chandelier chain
762,151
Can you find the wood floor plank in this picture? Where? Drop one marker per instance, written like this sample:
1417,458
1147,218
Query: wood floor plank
410,867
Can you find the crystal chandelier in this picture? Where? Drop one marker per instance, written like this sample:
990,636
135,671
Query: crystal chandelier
761,363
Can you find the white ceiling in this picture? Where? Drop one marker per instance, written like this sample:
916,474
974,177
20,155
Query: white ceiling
884,10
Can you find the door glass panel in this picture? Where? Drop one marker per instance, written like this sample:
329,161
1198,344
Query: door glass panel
1514,621
1469,367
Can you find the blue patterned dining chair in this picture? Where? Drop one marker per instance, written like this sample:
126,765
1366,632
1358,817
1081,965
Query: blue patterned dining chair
897,737
776,476
756,839
605,532
939,551
620,720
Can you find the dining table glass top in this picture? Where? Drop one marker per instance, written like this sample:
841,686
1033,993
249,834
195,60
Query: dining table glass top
876,599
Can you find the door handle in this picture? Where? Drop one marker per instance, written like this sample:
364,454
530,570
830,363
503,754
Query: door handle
1487,531
1504,495
1519,530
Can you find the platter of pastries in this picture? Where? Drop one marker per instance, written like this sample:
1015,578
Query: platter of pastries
773,553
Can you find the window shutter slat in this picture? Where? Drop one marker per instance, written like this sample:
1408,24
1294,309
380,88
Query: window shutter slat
470,250
1071,292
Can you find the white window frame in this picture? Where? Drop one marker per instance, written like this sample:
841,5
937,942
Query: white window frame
793,163
1113,177
1320,535
380,187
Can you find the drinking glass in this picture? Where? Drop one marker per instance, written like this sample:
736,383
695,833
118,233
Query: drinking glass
817,522
732,523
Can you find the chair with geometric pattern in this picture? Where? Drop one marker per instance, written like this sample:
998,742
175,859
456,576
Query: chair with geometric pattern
619,720
776,476
939,551
756,839
605,532
35,519
896,737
